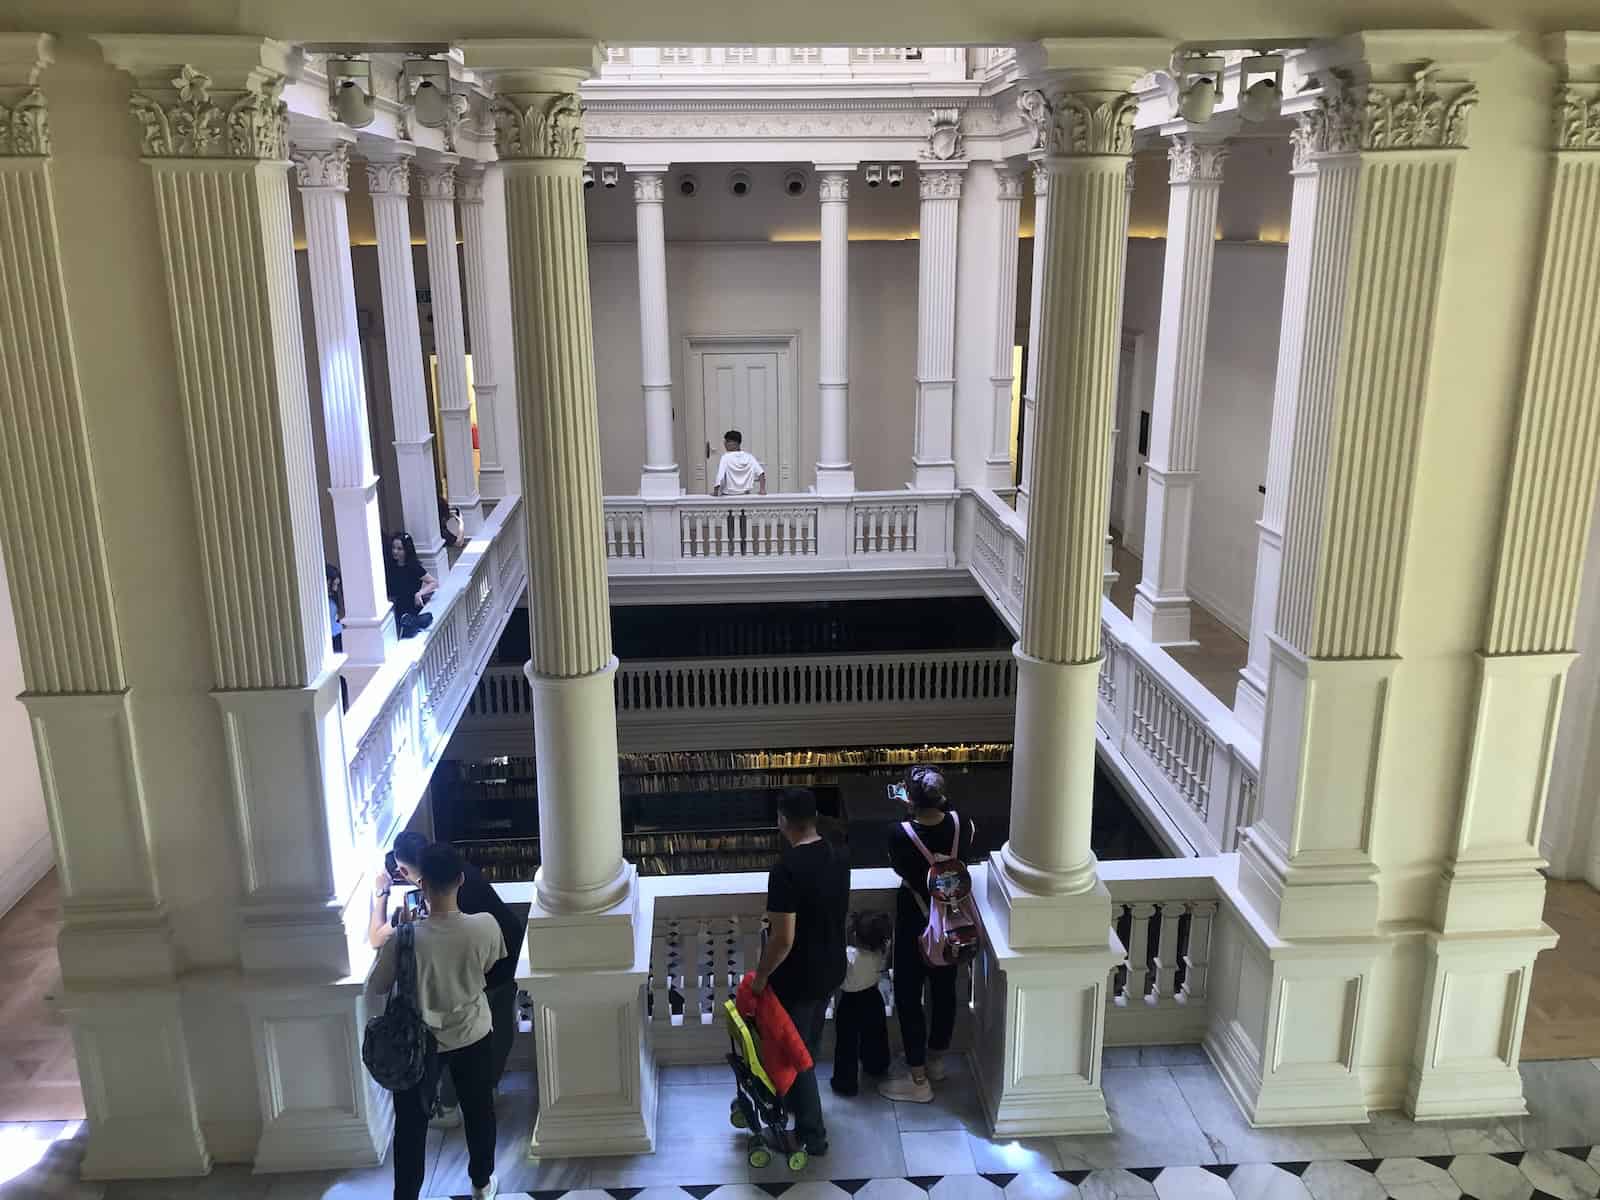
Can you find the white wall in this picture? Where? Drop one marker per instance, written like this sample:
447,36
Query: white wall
735,287
1236,414
24,831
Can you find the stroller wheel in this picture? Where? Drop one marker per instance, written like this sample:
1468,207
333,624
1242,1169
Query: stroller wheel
737,1119
798,1160
760,1156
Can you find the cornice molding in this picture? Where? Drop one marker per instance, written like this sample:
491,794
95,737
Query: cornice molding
187,122
903,118
25,126
1577,116
534,125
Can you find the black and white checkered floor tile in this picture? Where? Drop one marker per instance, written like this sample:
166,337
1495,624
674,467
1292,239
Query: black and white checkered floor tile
1572,1173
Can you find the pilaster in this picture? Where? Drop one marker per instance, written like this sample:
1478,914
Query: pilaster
660,475
1161,604
435,181
835,475
933,461
322,173
999,474
389,184
215,136
478,255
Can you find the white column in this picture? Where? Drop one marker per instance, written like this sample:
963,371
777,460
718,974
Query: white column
478,245
1161,603
437,184
1250,697
588,932
1030,383
933,460
322,171
389,183
1044,903
835,475
1000,474
660,475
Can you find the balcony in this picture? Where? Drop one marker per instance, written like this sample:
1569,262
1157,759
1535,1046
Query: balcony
783,64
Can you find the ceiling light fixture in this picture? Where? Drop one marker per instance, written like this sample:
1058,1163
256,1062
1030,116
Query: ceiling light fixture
428,86
1196,76
350,91
1196,79
1261,87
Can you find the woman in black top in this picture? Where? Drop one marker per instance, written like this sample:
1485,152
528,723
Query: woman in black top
410,585
925,1041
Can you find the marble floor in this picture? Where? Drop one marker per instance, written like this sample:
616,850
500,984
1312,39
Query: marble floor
1176,1136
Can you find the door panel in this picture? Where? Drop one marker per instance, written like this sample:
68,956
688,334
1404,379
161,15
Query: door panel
741,392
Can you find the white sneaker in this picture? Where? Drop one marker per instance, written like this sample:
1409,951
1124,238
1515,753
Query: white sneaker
906,1090
937,1070
446,1118
488,1190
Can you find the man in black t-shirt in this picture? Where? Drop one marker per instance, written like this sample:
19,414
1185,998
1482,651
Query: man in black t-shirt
808,901
477,895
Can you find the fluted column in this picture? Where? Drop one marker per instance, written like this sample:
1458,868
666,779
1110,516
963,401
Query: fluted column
477,243
1040,174
1250,697
322,171
660,475
835,475
1161,603
1000,474
389,177
436,182
933,460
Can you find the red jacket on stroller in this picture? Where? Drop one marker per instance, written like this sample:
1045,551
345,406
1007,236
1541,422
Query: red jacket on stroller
783,1053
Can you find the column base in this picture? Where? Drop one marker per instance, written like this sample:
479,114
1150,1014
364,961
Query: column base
138,1091
836,480
933,475
1326,899
1162,619
596,1069
1469,1042
1035,919
1040,1020
1250,701
333,1115
661,483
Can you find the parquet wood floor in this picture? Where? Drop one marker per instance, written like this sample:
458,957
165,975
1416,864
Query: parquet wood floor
38,1073
1564,1012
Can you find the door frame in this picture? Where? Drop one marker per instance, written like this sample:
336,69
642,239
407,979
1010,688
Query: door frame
1133,476
783,475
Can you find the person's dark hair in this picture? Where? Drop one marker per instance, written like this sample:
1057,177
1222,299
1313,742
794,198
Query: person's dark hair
410,546
798,806
441,865
871,931
409,848
925,789
734,436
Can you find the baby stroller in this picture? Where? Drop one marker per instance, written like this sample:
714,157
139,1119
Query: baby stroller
756,1105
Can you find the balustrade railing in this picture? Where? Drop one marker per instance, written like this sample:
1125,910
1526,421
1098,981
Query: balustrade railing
789,532
624,63
398,727
1163,913
1187,752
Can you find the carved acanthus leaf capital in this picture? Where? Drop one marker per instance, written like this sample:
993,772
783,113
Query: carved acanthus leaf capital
1577,117
1010,181
833,188
649,188
391,178
1191,161
25,126
189,122
539,125
1035,111
940,184
944,142
1387,116
436,183
1091,123
323,167
469,187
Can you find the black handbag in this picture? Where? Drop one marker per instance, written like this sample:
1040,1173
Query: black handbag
397,1045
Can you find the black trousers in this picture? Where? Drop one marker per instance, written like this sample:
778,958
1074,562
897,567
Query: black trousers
804,1101
503,1012
860,1038
471,1070
911,976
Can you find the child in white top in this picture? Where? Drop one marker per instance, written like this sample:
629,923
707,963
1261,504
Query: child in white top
861,1033
740,472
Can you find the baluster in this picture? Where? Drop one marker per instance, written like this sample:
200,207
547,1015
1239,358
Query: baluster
1139,951
1197,955
1122,922
723,942
1167,959
748,945
660,986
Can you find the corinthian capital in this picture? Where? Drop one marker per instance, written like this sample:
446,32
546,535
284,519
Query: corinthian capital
1420,114
648,188
436,183
833,188
1091,123
539,125
1192,161
390,177
322,167
193,118
939,184
1577,117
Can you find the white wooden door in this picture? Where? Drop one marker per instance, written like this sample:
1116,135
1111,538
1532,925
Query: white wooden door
741,391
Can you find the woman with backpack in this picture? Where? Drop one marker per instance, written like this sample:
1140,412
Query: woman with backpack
931,834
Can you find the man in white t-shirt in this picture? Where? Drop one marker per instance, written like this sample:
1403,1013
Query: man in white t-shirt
740,472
